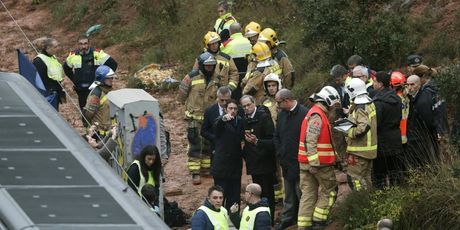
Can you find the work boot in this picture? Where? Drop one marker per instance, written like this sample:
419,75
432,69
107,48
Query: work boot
196,179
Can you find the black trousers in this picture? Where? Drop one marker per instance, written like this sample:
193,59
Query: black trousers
232,190
266,181
388,166
82,96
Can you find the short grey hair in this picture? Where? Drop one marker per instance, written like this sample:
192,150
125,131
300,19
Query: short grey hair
235,28
285,94
251,98
224,90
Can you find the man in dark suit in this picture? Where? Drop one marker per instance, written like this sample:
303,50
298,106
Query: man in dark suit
211,114
286,138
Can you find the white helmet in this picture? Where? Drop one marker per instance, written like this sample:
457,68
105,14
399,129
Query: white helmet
356,89
327,94
272,77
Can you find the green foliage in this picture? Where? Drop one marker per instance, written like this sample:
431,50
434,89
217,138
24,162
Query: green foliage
307,85
362,210
381,37
430,198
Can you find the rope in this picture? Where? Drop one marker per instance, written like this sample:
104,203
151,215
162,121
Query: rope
72,100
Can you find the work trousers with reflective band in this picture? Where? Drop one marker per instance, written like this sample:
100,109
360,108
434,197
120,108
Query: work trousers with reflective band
318,195
359,173
199,151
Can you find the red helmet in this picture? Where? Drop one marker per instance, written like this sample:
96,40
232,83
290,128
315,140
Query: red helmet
397,79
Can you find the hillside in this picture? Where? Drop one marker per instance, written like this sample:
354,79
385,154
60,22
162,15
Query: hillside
140,32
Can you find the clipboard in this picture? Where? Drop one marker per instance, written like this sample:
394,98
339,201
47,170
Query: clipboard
343,125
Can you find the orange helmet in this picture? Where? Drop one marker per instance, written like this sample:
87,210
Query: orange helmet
397,79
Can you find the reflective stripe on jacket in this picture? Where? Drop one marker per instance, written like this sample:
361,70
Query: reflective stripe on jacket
74,60
249,216
325,153
405,102
55,70
362,139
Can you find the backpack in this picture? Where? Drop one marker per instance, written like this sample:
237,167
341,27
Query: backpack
174,216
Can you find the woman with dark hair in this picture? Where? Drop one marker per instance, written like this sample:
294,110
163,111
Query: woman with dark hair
146,169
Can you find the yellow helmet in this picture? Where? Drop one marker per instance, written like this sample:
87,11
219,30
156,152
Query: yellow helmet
269,35
252,29
210,37
262,51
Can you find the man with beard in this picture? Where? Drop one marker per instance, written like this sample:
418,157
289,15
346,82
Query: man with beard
81,64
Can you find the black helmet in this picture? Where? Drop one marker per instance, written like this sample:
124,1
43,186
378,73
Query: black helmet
338,71
414,60
206,58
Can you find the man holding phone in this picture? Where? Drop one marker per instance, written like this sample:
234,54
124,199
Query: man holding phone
259,150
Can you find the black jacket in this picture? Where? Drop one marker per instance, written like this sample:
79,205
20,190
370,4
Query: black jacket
260,158
388,107
227,162
262,221
427,113
286,139
83,77
207,131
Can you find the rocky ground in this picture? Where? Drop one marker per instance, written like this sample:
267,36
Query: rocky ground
35,22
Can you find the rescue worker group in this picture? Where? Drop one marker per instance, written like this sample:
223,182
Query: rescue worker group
363,130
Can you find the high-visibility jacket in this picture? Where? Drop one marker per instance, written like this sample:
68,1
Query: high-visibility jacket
224,22
270,103
219,219
97,108
74,60
325,152
362,139
254,82
249,216
55,70
142,180
405,102
237,46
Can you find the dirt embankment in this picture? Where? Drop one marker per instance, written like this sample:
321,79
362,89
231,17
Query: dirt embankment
36,21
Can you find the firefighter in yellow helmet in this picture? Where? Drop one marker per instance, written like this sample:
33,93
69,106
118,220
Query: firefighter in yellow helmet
269,36
254,82
251,32
199,90
225,68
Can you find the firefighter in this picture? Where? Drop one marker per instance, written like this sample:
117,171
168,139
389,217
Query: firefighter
269,36
225,68
317,160
272,84
397,82
97,110
198,90
253,83
251,32
361,138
